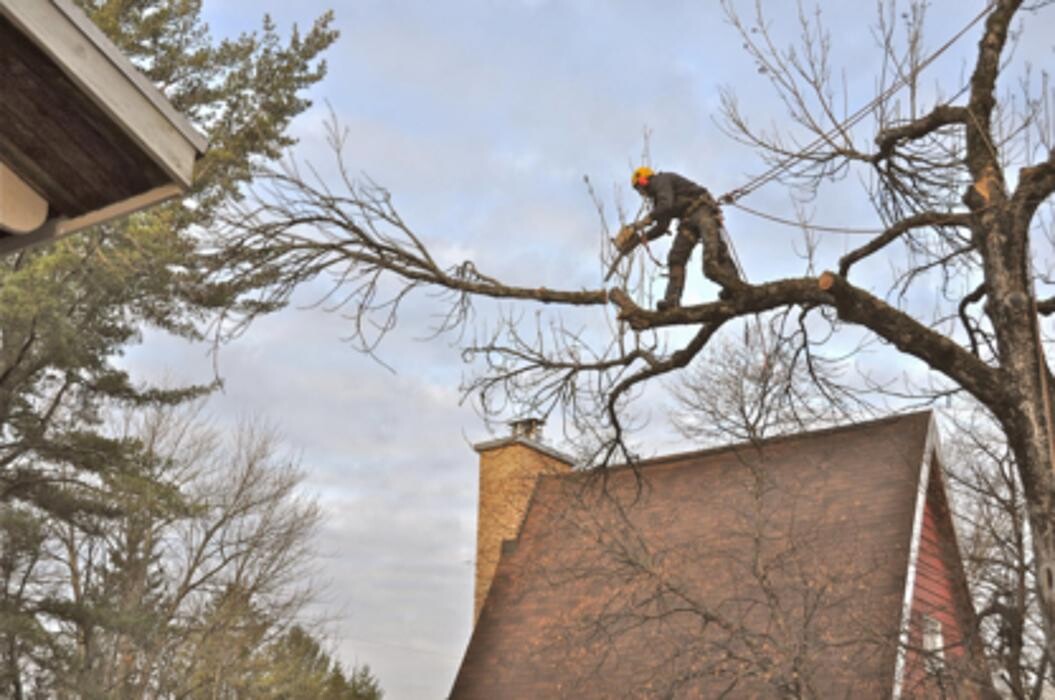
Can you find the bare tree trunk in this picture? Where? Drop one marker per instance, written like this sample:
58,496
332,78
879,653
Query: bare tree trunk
1032,452
1029,442
1004,248
1001,233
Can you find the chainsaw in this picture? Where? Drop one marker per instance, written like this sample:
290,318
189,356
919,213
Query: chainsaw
628,238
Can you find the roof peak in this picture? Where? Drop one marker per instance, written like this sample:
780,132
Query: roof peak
660,460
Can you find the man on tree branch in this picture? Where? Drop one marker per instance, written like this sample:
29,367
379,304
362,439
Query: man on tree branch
699,219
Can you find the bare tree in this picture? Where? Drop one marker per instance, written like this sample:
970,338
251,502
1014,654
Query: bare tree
204,563
960,182
990,508
761,385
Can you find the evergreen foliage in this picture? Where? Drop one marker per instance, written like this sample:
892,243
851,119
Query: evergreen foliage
124,565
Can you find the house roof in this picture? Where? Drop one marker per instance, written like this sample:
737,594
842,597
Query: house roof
737,569
84,137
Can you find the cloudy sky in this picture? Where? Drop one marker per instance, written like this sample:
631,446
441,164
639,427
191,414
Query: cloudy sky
482,117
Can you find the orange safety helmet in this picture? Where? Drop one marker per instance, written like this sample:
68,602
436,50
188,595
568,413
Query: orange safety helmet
641,176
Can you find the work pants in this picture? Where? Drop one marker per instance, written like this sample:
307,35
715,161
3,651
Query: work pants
703,224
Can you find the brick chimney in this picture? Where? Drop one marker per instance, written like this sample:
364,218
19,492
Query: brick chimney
509,467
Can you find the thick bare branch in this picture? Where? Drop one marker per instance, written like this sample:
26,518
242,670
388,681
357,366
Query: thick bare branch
972,298
914,338
981,154
1035,184
677,360
925,219
853,305
941,116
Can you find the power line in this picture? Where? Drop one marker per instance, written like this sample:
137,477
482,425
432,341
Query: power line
813,227
733,195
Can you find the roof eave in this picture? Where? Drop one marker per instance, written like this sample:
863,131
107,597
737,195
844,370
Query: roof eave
112,82
59,227
99,70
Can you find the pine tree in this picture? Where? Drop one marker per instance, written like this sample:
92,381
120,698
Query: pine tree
70,309
299,668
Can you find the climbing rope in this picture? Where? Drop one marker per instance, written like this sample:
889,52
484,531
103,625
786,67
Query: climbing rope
774,171
813,227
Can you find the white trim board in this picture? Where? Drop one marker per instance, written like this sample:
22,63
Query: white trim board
931,446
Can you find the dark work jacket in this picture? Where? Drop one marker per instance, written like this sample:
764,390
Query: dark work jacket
671,196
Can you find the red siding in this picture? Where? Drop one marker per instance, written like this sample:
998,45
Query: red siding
939,593
936,584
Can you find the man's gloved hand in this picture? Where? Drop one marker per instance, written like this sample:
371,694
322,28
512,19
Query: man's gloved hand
627,238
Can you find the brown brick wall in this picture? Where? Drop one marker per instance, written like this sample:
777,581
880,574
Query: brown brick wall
507,478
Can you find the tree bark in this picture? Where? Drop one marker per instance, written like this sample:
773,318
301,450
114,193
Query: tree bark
1001,233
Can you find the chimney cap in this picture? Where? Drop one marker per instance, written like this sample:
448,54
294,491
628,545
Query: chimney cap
526,432
529,428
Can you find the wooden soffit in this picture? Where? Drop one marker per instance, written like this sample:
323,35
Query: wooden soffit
80,128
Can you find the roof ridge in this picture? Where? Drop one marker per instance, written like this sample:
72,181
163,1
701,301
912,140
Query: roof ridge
765,442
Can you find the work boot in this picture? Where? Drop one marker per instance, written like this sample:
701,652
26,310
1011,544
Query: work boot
675,283
722,272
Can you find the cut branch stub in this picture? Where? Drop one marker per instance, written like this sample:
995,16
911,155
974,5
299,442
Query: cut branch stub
629,311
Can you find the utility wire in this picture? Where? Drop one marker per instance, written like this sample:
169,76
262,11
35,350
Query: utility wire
813,227
754,183
733,195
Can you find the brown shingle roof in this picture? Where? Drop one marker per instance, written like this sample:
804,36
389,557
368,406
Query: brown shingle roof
740,570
